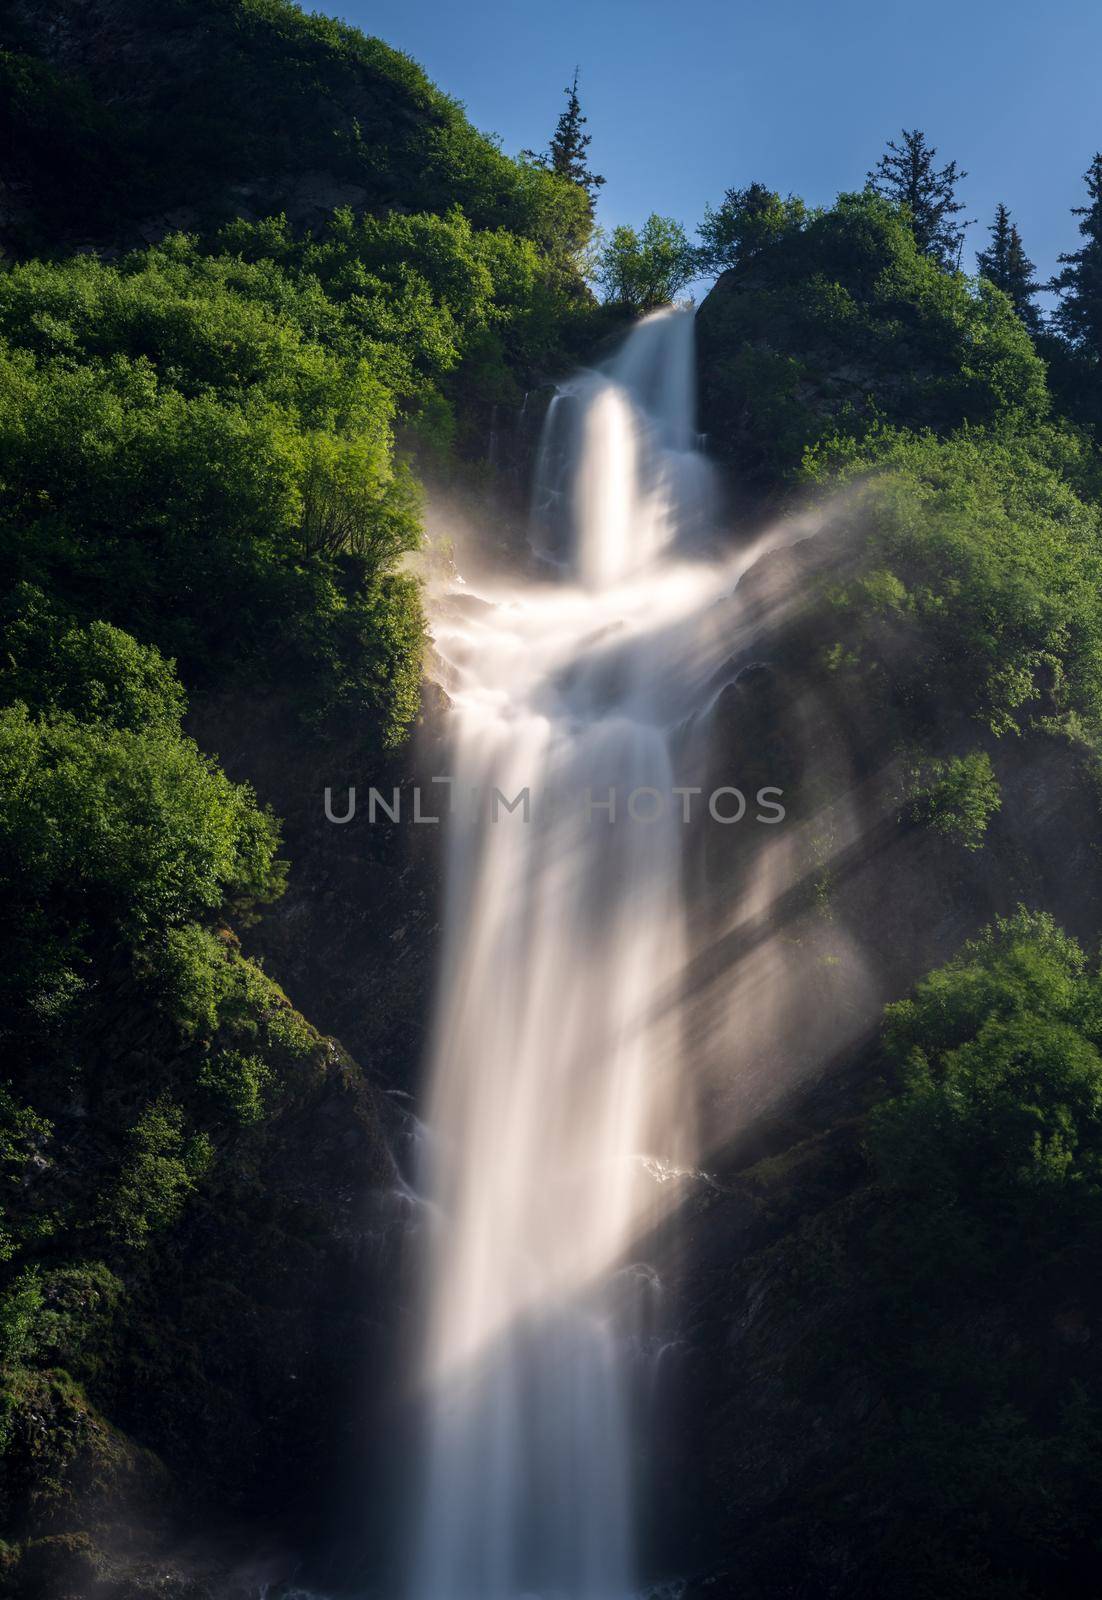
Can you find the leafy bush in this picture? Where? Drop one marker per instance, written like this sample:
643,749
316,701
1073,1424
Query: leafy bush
957,797
97,673
188,975
981,573
236,1083
138,825
161,1168
646,269
172,452
1001,1054
20,1314
79,1304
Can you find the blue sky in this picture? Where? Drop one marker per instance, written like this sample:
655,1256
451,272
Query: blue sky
800,94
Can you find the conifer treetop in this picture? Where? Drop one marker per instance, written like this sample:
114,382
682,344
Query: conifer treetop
566,153
1005,264
907,175
1079,315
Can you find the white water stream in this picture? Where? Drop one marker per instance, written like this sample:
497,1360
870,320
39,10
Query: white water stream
557,1104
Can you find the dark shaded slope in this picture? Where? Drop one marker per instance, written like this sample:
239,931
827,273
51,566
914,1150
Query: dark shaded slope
123,119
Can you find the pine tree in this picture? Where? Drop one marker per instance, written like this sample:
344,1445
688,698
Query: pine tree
907,175
1006,265
1079,315
566,154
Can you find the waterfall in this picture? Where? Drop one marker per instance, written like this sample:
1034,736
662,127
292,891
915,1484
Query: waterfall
557,1104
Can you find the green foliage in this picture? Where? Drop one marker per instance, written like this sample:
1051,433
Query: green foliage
173,432
187,436
748,221
192,433
955,1294
207,484
1001,1104
97,673
60,1315
188,975
23,1132
20,1312
424,298
140,826
831,329
215,997
275,97
236,1083
79,1305
1079,314
114,829
161,1168
1006,265
982,574
957,797
647,269
567,154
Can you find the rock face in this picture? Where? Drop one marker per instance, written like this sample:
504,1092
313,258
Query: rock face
354,936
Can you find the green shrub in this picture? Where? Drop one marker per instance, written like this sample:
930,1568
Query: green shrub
646,269
748,221
177,447
161,1168
957,797
236,1084
79,1306
20,1318
97,673
1001,1101
980,581
139,825
189,974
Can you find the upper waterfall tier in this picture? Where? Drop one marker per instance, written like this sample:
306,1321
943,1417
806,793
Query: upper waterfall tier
620,479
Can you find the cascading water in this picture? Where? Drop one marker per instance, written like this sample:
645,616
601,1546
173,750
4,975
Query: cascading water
557,1105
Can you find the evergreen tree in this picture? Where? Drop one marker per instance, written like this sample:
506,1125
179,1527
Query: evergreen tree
566,154
1006,265
906,174
1079,316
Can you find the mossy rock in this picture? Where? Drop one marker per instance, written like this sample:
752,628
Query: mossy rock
66,1463
63,1566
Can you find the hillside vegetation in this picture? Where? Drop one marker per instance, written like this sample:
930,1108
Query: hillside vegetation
313,282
